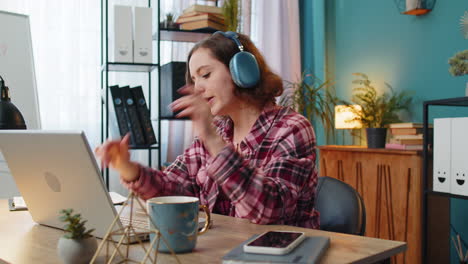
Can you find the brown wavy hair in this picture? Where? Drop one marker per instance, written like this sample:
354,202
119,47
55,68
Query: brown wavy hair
223,49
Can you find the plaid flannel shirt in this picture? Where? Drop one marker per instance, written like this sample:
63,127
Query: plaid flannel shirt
270,178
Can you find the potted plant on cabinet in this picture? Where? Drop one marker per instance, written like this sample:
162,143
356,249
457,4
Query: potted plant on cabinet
459,62
313,98
378,110
77,245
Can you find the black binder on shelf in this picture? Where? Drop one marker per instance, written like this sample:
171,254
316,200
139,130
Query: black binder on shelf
144,115
119,108
172,78
133,121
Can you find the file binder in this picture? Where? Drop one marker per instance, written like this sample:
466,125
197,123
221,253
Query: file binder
142,37
172,78
121,43
459,169
136,133
442,155
119,109
144,115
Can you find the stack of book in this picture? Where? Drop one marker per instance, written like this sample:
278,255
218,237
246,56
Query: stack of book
202,17
406,136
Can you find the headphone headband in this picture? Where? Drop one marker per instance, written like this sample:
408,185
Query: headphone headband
233,36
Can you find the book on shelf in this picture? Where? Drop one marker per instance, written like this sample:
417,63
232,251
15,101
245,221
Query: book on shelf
144,115
417,136
407,141
203,8
309,251
200,16
202,24
407,125
195,13
406,131
403,146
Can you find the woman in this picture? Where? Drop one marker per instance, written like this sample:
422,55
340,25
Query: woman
251,158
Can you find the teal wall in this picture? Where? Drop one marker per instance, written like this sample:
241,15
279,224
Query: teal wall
313,48
407,52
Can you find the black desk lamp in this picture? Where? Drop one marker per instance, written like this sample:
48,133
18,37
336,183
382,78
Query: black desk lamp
10,116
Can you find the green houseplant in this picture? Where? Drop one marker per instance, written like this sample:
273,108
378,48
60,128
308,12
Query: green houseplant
378,110
230,11
459,62
77,245
313,98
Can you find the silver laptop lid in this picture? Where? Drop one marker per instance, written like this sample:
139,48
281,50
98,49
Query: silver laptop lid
57,170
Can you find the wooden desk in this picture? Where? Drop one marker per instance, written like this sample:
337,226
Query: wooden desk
23,241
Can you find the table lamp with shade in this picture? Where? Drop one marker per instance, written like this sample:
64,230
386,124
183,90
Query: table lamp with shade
346,117
10,116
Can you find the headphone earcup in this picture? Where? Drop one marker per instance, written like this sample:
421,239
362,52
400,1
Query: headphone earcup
244,69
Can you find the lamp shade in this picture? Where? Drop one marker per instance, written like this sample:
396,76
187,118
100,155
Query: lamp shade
346,117
10,116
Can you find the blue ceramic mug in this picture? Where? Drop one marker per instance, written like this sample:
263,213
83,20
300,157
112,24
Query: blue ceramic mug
176,217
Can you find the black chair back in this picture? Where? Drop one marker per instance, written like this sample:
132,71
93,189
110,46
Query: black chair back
341,207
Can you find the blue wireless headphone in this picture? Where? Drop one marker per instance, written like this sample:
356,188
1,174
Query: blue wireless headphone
243,65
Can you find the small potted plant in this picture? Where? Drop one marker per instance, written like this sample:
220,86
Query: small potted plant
169,22
77,245
378,110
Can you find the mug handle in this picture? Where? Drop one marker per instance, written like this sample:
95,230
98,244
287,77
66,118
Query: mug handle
208,219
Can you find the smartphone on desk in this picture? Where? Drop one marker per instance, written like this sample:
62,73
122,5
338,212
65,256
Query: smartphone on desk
275,242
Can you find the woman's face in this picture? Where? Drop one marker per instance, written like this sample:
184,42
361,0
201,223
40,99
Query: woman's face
213,81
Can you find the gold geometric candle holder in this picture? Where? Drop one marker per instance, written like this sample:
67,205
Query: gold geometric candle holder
115,238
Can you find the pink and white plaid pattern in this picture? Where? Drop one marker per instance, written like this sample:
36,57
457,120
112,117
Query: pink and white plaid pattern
270,179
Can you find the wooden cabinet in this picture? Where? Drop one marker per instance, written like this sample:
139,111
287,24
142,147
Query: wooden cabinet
390,182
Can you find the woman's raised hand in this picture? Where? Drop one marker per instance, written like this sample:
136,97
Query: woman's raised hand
114,153
194,106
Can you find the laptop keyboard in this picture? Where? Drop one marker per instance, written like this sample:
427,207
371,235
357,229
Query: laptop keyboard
138,223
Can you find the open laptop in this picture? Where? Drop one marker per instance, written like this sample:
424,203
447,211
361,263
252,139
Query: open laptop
57,170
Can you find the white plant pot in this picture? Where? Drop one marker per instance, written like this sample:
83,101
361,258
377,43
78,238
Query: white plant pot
76,251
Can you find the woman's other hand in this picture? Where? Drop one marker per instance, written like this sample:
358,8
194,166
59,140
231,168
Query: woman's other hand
114,153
